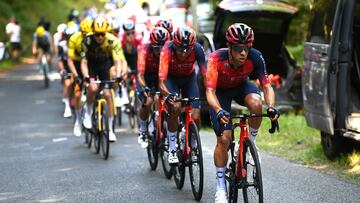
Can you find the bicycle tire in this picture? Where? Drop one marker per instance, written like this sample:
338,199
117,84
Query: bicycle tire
233,189
89,134
46,77
152,149
179,169
119,115
253,186
105,142
96,133
164,150
196,166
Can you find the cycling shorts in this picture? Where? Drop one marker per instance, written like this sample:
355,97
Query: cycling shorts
187,85
226,96
77,65
100,69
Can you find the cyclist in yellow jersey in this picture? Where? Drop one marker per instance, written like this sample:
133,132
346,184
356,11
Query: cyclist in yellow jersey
98,48
74,61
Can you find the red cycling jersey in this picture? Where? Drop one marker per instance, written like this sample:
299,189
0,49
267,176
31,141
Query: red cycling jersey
221,75
147,62
169,64
137,40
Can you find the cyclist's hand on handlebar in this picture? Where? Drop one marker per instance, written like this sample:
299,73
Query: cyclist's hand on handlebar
118,79
78,80
273,113
170,99
222,116
87,80
142,94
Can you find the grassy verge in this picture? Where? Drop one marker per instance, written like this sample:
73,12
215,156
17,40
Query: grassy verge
297,141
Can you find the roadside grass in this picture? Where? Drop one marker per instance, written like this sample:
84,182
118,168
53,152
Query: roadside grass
296,141
7,64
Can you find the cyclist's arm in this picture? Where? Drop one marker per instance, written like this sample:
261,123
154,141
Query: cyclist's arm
59,59
119,58
211,76
34,43
212,99
85,68
141,80
165,57
141,66
200,58
163,89
71,55
269,95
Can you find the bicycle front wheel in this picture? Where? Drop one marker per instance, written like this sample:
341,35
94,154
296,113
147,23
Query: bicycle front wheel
164,150
132,109
46,74
95,129
152,149
252,187
196,169
119,112
105,143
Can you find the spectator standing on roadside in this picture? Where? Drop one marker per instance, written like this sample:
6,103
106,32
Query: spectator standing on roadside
13,30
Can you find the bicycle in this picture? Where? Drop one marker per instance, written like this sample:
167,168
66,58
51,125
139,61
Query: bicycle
131,108
100,132
244,172
189,150
44,66
157,138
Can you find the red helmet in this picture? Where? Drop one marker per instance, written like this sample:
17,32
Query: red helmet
240,34
184,37
159,36
167,24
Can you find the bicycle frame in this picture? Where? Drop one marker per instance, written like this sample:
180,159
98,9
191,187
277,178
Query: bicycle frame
240,171
162,108
189,119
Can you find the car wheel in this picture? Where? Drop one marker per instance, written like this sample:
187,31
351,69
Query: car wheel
331,144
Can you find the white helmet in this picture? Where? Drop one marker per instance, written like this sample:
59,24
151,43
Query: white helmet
61,27
128,25
71,30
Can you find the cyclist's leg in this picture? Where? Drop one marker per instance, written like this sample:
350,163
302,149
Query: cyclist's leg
172,121
67,86
90,94
189,88
144,111
77,101
249,96
222,141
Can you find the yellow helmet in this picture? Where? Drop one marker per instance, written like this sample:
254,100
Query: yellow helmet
100,25
86,25
110,28
40,31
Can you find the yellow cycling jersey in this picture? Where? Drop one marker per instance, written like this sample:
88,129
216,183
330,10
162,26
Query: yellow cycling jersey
75,46
109,49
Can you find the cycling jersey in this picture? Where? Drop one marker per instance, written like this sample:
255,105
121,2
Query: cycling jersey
131,53
75,46
220,74
147,62
62,54
43,42
170,65
98,53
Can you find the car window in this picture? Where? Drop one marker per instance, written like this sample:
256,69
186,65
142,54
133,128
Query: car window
321,21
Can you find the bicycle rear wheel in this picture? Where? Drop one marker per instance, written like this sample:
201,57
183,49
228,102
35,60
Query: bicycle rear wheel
152,149
119,116
253,187
196,168
233,189
46,74
132,109
105,143
179,169
164,150
95,129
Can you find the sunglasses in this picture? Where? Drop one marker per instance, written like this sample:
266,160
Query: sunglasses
240,48
130,33
98,34
183,49
155,48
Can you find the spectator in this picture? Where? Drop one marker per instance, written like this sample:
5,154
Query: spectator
13,30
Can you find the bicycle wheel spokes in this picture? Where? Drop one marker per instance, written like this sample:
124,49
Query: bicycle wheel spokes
95,129
196,169
152,149
164,153
178,171
253,188
105,143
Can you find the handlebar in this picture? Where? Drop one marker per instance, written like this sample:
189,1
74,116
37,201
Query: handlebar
189,100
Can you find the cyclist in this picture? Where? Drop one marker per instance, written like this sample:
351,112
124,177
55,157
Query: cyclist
74,50
42,44
167,24
98,47
227,79
64,70
59,35
177,73
148,68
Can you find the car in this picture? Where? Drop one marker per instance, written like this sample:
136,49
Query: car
331,74
270,21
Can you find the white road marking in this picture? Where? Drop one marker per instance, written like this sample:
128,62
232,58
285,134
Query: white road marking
61,139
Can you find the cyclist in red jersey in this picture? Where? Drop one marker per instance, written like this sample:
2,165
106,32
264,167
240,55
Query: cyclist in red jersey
148,69
177,75
227,79
167,24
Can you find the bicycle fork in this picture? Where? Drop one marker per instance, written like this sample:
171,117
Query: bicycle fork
244,135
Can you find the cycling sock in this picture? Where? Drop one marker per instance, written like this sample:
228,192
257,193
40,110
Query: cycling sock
220,177
172,140
78,115
111,121
66,102
143,125
89,108
253,132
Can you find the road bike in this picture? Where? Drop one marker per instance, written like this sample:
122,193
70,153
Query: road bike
157,137
44,67
100,122
243,170
189,150
131,108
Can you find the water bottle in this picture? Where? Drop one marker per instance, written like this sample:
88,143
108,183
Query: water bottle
236,149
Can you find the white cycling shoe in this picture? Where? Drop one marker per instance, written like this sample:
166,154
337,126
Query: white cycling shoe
173,158
87,121
142,141
112,136
77,129
67,112
221,196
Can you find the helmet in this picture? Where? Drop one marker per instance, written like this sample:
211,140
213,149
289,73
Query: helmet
86,25
129,25
240,34
167,24
40,31
71,30
100,25
159,36
61,27
114,26
184,37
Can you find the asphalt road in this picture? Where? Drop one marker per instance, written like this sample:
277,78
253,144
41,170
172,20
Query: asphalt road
42,161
